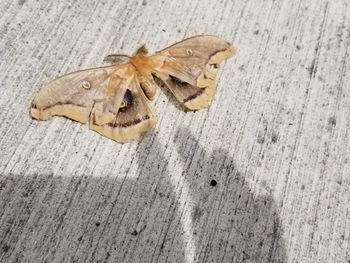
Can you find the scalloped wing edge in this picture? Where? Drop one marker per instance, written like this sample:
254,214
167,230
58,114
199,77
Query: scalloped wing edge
207,78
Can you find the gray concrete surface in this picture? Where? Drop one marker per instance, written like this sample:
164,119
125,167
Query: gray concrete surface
275,139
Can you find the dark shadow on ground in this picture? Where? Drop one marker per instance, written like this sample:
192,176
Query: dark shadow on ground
137,218
44,218
230,223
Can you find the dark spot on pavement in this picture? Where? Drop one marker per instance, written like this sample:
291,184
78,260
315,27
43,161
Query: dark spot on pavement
274,137
332,121
213,182
5,247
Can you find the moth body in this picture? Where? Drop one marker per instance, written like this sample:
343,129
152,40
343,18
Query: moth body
144,66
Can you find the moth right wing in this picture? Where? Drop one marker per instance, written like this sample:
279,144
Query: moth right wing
189,68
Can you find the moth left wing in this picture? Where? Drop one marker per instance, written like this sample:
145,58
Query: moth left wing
189,68
72,95
110,98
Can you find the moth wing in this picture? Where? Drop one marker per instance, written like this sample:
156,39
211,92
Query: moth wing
189,68
72,95
132,120
110,98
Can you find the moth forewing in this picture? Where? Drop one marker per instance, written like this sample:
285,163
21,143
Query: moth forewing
71,95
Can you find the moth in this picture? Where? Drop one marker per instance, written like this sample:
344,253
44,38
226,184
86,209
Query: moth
115,99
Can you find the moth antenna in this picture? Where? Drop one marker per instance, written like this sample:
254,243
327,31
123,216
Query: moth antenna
117,58
142,50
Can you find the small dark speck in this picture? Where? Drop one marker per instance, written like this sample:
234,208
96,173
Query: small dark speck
241,67
80,238
179,31
312,68
213,183
298,47
5,247
163,30
332,121
245,256
260,139
302,187
97,224
144,3
256,32
274,137
134,233
197,213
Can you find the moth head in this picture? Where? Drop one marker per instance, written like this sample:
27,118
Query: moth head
141,50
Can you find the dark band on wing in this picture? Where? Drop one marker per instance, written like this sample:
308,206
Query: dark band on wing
197,94
177,81
129,123
219,51
34,106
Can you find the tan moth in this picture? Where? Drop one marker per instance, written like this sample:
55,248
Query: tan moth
115,99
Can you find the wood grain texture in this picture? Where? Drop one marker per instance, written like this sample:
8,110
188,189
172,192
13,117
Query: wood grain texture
262,175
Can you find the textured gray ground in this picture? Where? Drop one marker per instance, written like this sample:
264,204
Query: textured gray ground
275,139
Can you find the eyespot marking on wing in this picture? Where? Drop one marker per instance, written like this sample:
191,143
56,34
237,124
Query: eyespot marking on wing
189,52
85,84
127,101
